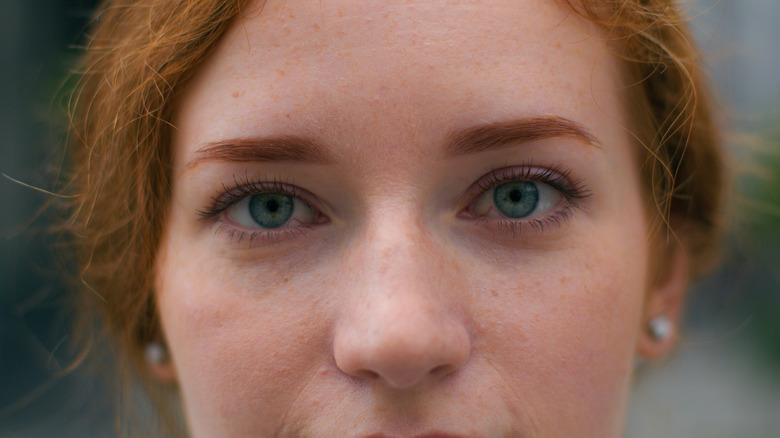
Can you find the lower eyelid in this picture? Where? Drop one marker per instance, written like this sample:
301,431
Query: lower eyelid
248,239
533,225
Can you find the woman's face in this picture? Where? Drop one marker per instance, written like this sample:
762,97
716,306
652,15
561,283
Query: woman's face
405,218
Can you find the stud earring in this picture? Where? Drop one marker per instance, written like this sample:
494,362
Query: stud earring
156,353
660,327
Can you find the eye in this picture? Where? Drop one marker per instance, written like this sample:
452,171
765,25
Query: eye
525,199
270,211
516,200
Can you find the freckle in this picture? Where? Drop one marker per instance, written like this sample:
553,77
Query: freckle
288,116
316,26
281,72
235,94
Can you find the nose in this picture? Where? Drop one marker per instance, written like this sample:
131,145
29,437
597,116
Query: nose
402,325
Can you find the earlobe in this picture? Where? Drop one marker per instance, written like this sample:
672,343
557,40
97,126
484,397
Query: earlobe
663,307
158,362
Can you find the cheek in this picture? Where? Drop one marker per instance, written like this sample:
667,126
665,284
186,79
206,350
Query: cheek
562,330
235,355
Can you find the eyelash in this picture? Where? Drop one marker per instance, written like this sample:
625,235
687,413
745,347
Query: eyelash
243,187
557,177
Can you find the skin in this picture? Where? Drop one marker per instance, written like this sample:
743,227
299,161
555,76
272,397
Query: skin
398,312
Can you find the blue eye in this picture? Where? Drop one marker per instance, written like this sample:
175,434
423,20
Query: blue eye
516,199
270,211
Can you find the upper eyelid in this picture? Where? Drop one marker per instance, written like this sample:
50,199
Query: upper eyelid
504,175
228,197
555,176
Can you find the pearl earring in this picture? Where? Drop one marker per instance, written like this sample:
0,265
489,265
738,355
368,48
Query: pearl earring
660,327
156,353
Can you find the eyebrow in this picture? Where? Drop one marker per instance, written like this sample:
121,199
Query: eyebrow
284,148
470,141
509,133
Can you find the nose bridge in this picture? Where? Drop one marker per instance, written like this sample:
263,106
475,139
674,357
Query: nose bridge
400,327
401,264
399,250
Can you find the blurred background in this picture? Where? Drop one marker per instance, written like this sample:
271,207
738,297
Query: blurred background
724,379
723,382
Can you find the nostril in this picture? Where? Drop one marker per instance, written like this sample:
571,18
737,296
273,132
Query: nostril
367,374
442,370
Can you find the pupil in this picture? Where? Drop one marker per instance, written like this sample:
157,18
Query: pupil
272,205
515,195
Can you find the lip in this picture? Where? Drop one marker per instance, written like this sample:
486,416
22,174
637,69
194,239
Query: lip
427,435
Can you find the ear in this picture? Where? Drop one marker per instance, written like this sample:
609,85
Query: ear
159,363
665,297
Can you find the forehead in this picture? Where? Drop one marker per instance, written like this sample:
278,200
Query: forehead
311,65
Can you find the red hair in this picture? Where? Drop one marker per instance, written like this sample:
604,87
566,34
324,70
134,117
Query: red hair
141,53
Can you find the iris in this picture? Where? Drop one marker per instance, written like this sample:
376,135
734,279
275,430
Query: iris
271,210
516,199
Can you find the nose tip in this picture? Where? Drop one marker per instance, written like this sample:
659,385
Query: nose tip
403,350
401,323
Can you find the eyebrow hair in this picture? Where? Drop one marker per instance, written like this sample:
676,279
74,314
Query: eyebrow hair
242,150
472,140
507,133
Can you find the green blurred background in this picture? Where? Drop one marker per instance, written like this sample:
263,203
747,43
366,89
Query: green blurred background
723,382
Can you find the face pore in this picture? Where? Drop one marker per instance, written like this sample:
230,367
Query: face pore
399,298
